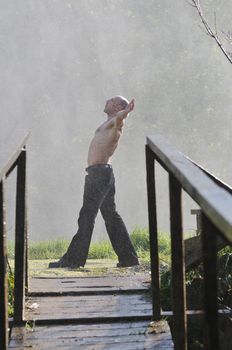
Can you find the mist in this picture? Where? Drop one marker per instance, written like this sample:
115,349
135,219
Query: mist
60,60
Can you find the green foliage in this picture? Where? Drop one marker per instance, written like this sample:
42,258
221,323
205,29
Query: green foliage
194,289
141,242
140,239
54,249
165,247
227,249
101,250
165,290
10,249
51,249
10,294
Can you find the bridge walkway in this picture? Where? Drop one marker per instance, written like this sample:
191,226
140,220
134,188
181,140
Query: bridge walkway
109,311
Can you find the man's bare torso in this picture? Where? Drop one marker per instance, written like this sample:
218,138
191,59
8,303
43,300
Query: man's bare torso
105,142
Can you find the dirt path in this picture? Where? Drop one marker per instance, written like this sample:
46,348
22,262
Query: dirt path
93,267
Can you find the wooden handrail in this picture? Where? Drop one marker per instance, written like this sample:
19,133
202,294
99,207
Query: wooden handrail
218,181
215,201
10,154
10,158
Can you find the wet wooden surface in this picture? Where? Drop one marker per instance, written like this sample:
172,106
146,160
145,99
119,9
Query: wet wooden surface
90,306
45,285
124,335
104,312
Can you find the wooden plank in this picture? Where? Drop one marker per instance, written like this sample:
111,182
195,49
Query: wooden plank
80,329
67,307
125,335
134,282
214,201
99,291
85,341
122,342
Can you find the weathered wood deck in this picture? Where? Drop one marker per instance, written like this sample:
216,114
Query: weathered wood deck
124,335
105,312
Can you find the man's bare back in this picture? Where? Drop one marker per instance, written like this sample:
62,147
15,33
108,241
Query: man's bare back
107,136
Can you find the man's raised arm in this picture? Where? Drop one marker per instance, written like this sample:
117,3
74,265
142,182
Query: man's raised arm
124,113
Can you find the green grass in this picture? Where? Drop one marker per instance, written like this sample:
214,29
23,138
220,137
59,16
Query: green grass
140,240
51,249
54,249
101,250
10,294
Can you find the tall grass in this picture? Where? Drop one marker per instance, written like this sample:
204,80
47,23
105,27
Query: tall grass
10,294
54,249
51,249
141,242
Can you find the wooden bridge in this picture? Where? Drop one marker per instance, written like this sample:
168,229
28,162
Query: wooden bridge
114,312
107,312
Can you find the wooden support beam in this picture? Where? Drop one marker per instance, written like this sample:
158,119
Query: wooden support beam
153,234
209,244
178,269
20,239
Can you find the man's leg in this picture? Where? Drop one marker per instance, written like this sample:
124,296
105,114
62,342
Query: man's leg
117,231
96,187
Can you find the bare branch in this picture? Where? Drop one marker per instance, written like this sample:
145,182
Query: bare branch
228,36
196,4
215,22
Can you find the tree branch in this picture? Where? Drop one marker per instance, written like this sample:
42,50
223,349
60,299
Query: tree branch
196,4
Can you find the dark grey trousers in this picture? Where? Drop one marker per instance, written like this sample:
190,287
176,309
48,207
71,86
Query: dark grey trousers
99,193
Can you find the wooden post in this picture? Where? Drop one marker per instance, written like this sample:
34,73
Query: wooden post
26,259
20,239
3,274
198,214
26,235
178,267
209,244
153,234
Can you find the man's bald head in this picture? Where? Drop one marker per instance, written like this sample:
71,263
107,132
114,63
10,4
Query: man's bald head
115,104
121,101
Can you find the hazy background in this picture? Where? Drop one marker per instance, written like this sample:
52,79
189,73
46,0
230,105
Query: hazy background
61,59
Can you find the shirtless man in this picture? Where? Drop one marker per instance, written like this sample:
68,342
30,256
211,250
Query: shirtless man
99,192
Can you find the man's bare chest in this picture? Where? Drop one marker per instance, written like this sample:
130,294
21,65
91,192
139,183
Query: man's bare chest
106,126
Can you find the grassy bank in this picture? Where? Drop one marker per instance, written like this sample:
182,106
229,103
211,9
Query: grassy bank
54,249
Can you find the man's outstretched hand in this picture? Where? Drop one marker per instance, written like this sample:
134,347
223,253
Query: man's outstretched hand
131,105
123,114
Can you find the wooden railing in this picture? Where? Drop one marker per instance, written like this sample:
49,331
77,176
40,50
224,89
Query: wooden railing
11,158
215,203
